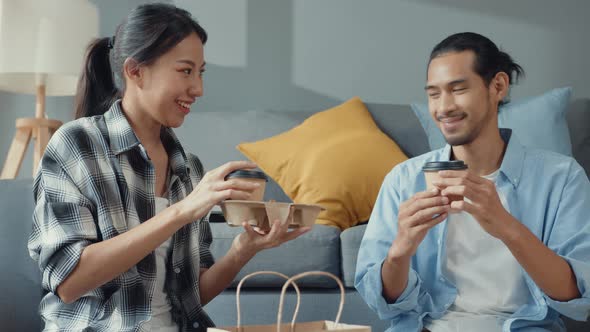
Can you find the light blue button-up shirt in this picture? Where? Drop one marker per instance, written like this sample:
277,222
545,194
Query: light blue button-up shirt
546,191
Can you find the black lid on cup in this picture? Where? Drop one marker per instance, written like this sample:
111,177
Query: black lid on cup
453,165
247,174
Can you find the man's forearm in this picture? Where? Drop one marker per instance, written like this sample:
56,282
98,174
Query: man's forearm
394,276
550,271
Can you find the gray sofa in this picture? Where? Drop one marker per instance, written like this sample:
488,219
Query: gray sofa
213,137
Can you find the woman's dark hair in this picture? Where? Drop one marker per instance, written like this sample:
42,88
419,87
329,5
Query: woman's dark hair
489,59
146,34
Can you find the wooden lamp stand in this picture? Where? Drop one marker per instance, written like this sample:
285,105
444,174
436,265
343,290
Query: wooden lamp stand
39,128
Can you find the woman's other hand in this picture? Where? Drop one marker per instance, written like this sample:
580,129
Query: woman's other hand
254,240
213,188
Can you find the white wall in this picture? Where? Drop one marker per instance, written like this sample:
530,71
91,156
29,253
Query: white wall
345,47
378,48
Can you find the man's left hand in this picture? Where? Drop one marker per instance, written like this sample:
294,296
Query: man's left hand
483,201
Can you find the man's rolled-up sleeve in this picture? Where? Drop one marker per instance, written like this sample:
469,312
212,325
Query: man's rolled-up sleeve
570,238
378,237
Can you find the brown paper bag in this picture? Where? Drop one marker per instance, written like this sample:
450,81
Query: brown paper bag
317,326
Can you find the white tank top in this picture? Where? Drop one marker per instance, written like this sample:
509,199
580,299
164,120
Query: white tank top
489,281
161,320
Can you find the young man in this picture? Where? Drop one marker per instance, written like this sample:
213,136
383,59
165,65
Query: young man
515,252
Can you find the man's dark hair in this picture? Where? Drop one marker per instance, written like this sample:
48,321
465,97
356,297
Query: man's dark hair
489,59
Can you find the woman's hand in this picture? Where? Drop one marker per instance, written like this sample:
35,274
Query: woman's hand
213,188
215,279
250,242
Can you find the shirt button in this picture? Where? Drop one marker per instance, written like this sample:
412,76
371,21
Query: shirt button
196,324
177,270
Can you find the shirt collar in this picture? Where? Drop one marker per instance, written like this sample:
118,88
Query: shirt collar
121,135
122,139
176,156
513,160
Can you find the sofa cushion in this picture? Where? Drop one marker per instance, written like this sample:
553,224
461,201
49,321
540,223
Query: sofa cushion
319,249
578,119
336,158
538,122
20,279
350,240
401,124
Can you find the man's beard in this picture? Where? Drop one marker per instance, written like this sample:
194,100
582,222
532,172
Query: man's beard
465,138
461,140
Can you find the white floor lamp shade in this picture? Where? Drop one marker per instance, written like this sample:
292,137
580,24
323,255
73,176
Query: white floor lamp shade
42,45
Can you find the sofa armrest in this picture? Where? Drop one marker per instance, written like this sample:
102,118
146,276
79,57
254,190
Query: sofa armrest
350,240
20,279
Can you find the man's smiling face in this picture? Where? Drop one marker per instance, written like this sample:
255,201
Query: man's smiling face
458,98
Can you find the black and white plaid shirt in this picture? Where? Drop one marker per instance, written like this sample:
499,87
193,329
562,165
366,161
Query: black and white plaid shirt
94,180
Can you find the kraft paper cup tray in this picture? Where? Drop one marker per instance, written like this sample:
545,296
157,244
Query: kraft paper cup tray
262,214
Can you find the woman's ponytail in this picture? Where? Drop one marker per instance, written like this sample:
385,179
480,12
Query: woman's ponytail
96,88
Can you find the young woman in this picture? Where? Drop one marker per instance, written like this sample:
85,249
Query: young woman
120,228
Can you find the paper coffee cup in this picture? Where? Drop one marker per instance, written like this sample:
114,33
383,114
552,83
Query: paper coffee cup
252,176
432,168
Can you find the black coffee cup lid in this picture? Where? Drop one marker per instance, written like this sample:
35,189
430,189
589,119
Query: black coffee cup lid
247,174
444,165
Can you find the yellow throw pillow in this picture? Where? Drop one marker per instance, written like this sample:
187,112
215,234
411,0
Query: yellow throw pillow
337,158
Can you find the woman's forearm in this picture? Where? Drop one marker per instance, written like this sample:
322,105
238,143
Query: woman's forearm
103,261
215,279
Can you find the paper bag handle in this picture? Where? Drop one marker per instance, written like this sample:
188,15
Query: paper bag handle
239,287
299,276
